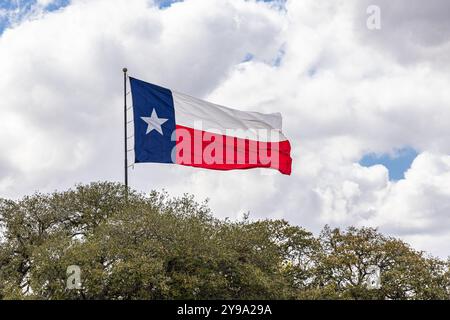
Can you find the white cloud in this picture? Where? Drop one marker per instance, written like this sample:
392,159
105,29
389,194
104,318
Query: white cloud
421,202
342,91
411,31
45,3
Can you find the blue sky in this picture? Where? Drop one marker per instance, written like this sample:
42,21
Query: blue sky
167,3
15,10
397,164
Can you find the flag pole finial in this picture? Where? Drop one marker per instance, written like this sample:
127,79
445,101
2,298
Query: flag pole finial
125,70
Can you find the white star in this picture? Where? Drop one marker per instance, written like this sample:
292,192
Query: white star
154,123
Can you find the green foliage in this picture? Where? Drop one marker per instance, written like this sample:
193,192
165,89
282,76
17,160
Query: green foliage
135,246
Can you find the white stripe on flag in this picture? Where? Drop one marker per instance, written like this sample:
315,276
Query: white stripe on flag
190,111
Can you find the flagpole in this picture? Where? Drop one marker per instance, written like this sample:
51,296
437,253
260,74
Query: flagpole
125,70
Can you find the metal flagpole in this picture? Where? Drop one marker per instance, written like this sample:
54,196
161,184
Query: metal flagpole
125,70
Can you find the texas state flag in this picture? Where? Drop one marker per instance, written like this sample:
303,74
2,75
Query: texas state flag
171,127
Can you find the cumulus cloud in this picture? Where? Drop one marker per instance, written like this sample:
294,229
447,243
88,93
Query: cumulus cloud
421,202
411,31
62,83
343,90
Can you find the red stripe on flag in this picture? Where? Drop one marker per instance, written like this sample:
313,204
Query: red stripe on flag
207,150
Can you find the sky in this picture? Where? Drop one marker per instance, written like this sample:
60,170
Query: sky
397,163
367,111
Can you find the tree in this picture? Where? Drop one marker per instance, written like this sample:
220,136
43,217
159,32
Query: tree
150,246
343,263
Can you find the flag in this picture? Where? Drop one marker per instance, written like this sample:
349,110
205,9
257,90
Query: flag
171,127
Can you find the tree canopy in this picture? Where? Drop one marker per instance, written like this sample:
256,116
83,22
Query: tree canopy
130,245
